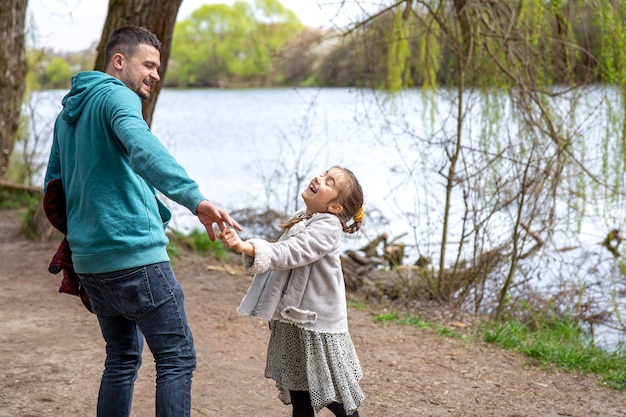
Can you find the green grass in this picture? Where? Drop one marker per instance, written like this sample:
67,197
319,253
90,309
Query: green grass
562,343
356,305
199,242
418,323
559,342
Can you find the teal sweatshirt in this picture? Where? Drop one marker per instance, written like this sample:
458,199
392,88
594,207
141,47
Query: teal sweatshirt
111,165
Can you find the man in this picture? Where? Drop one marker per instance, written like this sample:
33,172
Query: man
110,164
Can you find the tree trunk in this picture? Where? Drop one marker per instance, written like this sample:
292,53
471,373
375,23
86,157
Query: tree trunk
159,17
12,75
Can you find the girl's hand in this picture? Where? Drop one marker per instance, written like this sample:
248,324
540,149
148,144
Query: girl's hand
231,240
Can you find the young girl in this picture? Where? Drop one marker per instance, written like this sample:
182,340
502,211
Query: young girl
299,287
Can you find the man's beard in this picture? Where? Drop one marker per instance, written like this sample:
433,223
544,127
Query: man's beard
142,94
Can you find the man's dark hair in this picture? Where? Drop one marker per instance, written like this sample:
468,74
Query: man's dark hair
126,39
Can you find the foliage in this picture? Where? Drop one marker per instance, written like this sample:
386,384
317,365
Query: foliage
58,72
570,38
234,44
49,70
28,201
399,54
509,142
11,198
263,43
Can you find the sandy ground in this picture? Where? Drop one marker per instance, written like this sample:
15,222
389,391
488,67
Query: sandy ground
51,355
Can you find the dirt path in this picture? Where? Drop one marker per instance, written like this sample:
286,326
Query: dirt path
51,355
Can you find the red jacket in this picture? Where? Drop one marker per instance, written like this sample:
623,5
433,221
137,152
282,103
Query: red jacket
54,207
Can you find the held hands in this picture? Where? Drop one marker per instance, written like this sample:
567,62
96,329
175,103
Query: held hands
231,240
208,213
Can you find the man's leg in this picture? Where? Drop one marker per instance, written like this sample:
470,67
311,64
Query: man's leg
124,344
169,337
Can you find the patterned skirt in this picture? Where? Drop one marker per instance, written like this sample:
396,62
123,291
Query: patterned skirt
325,364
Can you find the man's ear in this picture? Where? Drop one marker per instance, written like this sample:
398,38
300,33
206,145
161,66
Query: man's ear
118,61
335,208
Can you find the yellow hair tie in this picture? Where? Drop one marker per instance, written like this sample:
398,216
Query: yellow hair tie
358,217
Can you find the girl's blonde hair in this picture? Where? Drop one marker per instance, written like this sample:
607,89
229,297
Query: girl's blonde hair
350,197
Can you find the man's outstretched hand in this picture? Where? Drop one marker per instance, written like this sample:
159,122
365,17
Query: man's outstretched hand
208,213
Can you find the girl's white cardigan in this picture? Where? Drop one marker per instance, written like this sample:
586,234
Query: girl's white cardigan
299,278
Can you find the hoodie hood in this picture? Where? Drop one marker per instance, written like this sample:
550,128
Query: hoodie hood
84,85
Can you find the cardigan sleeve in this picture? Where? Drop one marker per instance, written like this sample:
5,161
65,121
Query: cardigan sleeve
260,262
320,235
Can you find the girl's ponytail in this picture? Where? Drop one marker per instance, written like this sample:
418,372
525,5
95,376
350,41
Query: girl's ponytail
355,226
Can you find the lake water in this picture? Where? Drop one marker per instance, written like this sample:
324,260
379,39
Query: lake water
245,147
260,147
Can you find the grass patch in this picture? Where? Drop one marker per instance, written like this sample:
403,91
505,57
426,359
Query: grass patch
197,241
560,342
356,305
419,323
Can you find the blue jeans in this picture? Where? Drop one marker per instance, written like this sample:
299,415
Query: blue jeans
132,304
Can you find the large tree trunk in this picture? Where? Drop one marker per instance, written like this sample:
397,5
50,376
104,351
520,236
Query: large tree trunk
159,17
12,75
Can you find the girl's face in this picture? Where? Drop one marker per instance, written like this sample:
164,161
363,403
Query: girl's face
319,196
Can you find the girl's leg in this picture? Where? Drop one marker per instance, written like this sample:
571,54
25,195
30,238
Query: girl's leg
301,402
338,410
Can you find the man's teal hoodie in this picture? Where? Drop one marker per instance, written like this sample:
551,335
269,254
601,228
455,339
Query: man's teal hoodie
110,164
